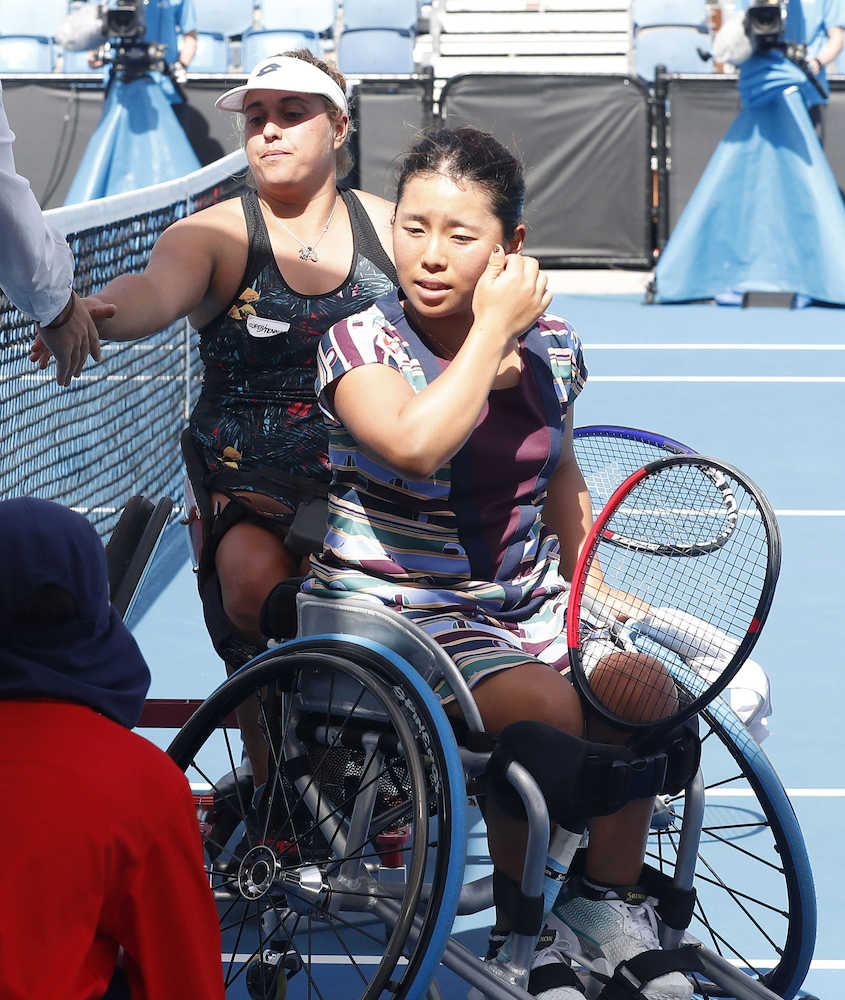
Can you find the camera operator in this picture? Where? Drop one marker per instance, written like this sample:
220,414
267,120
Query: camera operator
169,23
816,24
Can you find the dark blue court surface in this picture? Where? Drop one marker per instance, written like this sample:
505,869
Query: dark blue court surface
763,389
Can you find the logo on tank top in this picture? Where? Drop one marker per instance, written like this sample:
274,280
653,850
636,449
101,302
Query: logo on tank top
257,326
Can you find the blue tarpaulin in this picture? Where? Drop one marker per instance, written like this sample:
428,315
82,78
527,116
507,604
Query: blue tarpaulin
137,142
767,215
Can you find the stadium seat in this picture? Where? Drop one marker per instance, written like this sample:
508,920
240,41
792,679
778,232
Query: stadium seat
673,46
40,18
258,45
376,50
315,16
77,63
227,17
648,13
398,14
26,54
212,54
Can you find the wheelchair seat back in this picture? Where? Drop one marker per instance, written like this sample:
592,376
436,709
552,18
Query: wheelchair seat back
373,621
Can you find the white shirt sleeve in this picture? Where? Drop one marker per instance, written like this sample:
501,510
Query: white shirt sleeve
36,265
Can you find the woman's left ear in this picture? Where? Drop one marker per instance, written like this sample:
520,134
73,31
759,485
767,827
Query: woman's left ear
341,129
518,239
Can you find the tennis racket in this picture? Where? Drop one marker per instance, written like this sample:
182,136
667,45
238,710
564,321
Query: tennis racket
607,455
653,637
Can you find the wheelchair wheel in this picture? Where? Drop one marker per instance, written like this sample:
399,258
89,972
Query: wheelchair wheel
756,903
342,874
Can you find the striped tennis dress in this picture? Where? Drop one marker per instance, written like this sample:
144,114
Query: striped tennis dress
464,552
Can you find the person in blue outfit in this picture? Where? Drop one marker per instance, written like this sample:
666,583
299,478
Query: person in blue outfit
820,25
173,24
767,215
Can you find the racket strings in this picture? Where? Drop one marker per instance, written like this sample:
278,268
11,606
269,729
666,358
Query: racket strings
693,577
607,460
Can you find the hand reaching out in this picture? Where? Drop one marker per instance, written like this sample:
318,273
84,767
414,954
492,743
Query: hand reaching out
72,341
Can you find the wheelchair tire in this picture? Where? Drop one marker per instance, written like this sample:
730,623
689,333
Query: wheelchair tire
387,932
752,864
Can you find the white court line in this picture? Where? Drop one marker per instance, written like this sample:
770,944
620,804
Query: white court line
792,348
778,379
810,513
728,793
793,793
817,964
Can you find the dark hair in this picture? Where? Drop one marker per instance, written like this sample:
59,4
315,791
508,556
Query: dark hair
46,606
466,154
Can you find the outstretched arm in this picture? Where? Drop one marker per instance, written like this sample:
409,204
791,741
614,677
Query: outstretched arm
132,306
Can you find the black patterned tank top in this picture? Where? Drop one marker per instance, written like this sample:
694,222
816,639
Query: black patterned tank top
257,415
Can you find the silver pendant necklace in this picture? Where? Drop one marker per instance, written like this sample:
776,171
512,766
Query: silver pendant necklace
308,251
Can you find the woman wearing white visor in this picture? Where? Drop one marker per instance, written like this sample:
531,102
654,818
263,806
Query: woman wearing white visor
261,278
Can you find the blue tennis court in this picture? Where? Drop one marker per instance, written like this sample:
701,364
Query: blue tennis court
759,388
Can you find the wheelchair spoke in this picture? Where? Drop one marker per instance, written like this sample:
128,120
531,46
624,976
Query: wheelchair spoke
352,961
750,853
742,850
347,761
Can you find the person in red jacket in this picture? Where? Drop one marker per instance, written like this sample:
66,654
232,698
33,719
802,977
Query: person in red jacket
100,843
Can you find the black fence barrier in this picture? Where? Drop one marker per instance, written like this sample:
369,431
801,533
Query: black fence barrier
389,115
590,144
585,143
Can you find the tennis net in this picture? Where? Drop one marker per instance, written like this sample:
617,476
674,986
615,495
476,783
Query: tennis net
115,431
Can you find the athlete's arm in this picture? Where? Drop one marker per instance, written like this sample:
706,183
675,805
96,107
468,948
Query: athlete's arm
415,433
174,283
568,510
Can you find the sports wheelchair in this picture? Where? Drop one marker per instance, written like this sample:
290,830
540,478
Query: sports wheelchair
347,869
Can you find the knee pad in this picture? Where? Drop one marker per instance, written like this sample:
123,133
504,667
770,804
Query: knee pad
579,779
278,612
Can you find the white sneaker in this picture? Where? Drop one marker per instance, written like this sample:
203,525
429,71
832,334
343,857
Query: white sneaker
616,931
551,977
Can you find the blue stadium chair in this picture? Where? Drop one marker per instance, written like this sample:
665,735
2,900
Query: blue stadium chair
26,54
648,13
376,50
212,55
40,18
674,46
315,16
399,14
227,17
77,63
258,45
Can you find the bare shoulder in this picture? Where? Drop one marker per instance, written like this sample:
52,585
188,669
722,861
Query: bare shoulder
219,227
379,209
381,216
226,216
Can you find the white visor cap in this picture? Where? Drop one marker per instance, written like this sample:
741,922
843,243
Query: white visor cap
284,73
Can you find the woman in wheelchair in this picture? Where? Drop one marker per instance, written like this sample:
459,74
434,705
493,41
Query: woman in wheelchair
261,297
456,500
